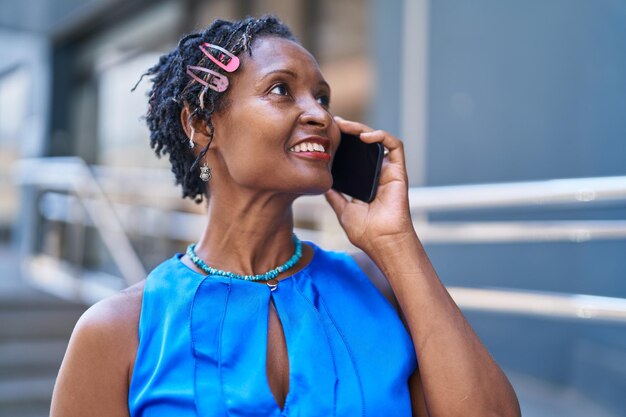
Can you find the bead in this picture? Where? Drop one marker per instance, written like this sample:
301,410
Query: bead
268,276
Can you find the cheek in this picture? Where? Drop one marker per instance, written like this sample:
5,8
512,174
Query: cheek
253,147
253,156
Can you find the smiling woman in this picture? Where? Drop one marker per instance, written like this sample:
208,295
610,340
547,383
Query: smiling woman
251,321
278,100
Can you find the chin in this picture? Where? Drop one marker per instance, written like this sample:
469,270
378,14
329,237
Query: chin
317,189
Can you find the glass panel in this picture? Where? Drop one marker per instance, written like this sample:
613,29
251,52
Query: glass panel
123,138
14,93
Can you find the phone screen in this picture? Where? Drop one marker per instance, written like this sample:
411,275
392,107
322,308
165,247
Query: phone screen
356,167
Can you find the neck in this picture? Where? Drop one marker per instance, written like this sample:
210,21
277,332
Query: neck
247,235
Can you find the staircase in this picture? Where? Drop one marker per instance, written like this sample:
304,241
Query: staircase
34,330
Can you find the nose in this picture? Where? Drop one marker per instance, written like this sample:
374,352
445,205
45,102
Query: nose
314,114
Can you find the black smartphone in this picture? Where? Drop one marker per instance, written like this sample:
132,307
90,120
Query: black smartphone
356,167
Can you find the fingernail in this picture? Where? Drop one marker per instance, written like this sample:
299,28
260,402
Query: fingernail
339,118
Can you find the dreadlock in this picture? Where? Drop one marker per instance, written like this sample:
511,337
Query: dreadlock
172,88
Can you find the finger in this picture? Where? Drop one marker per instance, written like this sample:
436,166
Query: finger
354,128
336,200
393,144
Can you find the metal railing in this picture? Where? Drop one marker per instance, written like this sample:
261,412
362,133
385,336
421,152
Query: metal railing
69,186
562,193
74,176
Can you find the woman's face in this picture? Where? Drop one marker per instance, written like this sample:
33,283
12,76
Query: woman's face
276,133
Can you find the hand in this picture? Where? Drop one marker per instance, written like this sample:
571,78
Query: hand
388,215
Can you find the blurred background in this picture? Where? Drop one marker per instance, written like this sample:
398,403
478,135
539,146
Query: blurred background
514,118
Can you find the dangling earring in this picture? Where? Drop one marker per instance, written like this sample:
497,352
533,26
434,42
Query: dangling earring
191,142
205,172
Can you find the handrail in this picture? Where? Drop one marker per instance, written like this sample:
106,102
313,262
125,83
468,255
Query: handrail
73,174
184,226
571,191
576,231
545,304
111,219
530,193
551,305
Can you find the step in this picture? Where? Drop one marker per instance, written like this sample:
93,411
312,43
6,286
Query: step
32,299
26,390
17,325
26,410
18,294
31,357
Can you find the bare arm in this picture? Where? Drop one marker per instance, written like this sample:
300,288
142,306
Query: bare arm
457,375
95,373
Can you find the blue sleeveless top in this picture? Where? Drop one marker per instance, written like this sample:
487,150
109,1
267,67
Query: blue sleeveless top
203,344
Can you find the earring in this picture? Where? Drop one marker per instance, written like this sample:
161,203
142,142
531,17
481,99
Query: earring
191,142
205,172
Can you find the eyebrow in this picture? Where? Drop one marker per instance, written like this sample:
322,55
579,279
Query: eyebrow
280,71
290,73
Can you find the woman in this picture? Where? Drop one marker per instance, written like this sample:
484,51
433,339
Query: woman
242,110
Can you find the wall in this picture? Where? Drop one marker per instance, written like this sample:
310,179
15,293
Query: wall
529,91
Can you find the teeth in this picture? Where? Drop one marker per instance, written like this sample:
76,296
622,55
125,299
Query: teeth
307,147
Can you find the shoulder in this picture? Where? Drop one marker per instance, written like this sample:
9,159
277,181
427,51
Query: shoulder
114,316
376,277
99,358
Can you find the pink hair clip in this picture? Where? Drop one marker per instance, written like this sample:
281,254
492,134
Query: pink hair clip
215,81
225,60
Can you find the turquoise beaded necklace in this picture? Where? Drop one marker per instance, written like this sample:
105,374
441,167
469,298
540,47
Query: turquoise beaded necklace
268,276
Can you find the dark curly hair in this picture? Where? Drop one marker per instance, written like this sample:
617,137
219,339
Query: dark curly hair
172,88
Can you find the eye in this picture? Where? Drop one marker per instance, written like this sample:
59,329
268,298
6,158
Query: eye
280,89
324,100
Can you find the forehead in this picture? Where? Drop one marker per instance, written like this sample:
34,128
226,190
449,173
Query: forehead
273,53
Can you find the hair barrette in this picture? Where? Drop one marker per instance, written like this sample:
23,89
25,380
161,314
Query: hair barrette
215,81
225,60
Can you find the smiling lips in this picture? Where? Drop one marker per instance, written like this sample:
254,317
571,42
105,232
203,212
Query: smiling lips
310,150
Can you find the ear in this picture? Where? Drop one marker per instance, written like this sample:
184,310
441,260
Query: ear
194,128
